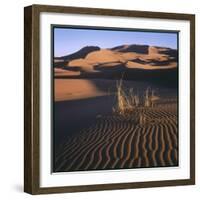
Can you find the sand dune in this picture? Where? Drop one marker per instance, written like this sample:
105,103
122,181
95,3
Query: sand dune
115,142
104,57
142,57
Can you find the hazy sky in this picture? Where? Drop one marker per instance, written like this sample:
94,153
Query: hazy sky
68,40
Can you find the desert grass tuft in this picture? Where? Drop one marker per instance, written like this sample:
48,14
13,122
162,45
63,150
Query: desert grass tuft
129,101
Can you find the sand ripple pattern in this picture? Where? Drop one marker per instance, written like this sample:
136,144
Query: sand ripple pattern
116,142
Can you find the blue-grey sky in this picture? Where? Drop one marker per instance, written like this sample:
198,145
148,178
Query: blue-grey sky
70,40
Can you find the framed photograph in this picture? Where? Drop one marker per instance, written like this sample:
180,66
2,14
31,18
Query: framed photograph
109,99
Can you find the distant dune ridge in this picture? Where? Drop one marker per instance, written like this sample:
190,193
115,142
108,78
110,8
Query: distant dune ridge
93,60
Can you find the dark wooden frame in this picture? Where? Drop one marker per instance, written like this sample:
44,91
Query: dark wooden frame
32,106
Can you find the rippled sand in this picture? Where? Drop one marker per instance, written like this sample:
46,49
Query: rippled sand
116,142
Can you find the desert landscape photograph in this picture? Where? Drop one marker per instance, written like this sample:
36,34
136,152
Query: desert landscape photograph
114,99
